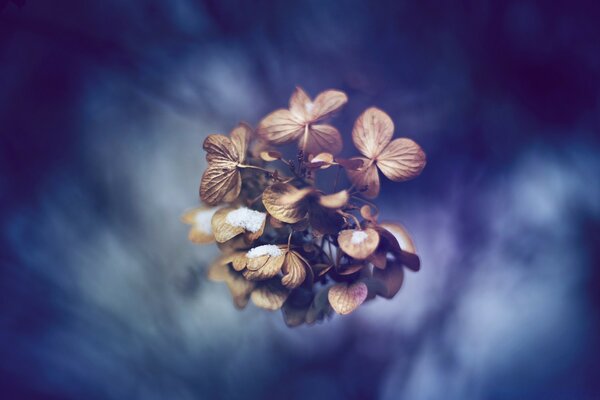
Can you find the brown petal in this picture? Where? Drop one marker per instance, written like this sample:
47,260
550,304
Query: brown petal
346,298
353,163
335,200
300,104
366,213
217,181
321,160
327,103
220,148
221,229
349,269
368,178
321,138
294,270
270,155
280,127
264,267
284,202
239,261
358,244
408,255
401,160
390,279
372,131
324,220
269,295
234,192
240,137
199,234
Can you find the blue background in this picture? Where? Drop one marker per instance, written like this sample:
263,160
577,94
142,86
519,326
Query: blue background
103,109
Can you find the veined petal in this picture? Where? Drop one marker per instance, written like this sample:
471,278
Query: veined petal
367,177
346,298
327,103
220,148
269,295
401,160
222,230
358,244
240,137
372,131
321,138
280,127
218,179
300,104
294,270
263,267
285,202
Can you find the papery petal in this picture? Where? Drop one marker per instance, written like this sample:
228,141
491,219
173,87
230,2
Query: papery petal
335,200
389,279
220,148
285,202
321,138
372,131
221,229
269,295
408,253
240,137
358,249
218,180
366,177
401,160
327,103
294,270
264,267
235,190
346,298
300,104
280,127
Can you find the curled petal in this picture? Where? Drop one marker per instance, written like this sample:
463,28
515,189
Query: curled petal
372,131
346,298
321,138
300,104
270,155
218,180
366,179
280,127
220,148
335,200
401,160
235,190
321,160
264,267
408,253
327,103
294,270
367,213
269,295
222,230
285,202
358,244
240,138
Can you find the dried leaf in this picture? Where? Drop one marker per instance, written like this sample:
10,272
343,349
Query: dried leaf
346,298
358,244
390,279
335,200
263,267
401,160
408,254
372,132
367,214
294,270
280,127
285,202
367,177
222,230
269,295
218,180
300,104
328,103
219,148
240,138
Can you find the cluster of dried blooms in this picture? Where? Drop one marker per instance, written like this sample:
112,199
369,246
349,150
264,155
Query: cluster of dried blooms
289,243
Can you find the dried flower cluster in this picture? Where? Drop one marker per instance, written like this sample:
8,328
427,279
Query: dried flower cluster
292,244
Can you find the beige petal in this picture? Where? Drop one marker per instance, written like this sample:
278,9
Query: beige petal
353,164
401,160
358,244
335,200
235,191
264,267
327,103
239,261
270,155
220,148
321,138
221,229
390,279
240,137
321,161
294,270
346,298
197,234
269,295
285,202
365,178
217,181
367,213
280,127
408,254
300,104
372,131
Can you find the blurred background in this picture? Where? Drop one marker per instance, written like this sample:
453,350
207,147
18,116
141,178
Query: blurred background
104,106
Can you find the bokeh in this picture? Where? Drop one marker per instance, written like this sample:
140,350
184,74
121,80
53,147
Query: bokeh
104,106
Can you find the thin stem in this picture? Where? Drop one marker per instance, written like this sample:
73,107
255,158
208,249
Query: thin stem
337,175
290,238
305,141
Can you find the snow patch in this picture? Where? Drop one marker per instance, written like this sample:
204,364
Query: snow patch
250,220
267,249
358,237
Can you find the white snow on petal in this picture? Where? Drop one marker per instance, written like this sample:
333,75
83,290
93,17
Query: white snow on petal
203,218
250,220
358,237
267,249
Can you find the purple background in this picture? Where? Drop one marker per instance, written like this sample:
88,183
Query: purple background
103,109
